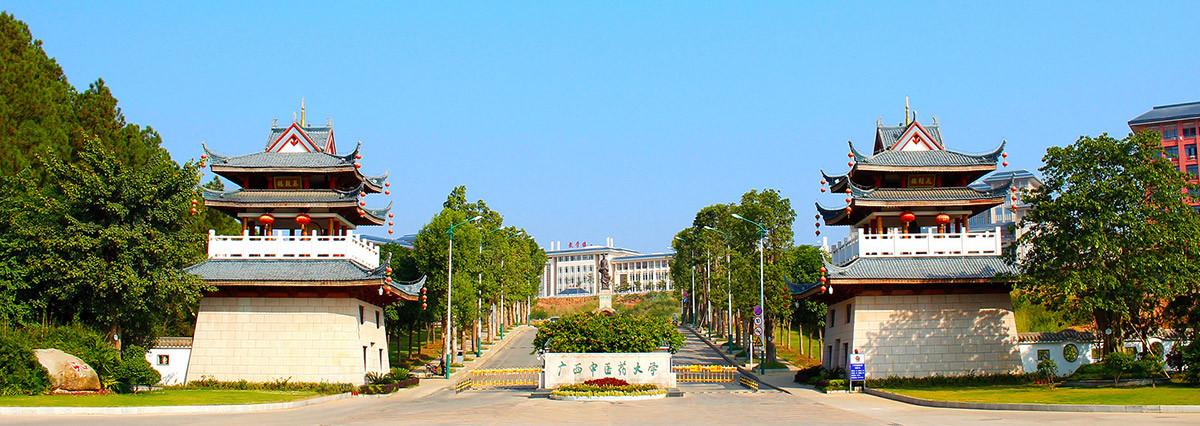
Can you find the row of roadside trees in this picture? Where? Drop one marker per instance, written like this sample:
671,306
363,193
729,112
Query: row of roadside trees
496,269
720,252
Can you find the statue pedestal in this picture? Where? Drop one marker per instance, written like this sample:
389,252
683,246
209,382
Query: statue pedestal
605,300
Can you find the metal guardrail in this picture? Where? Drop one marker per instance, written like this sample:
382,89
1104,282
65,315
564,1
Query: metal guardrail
748,382
509,378
705,373
462,386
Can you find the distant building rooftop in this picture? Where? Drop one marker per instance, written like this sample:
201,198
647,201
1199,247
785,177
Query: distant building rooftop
1163,113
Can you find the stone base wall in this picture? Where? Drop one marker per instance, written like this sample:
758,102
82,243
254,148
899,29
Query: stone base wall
920,336
300,339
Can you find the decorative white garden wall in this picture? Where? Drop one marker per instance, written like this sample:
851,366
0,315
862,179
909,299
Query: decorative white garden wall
636,367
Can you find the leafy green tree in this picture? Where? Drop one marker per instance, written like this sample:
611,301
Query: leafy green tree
35,100
589,332
134,370
1110,234
103,243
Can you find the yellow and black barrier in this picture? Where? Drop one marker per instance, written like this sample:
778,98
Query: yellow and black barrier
748,382
510,378
705,373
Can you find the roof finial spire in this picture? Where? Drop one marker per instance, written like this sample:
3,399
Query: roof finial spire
302,111
907,119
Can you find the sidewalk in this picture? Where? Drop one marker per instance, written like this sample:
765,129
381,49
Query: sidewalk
430,386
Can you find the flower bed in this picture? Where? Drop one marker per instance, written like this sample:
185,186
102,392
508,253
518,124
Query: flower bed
585,391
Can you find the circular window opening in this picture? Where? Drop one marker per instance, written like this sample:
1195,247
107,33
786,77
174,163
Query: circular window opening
1070,352
1156,348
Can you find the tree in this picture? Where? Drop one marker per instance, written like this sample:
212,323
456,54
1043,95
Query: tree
1110,234
102,243
35,100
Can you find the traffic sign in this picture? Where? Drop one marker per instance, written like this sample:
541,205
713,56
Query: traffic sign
757,330
758,321
758,311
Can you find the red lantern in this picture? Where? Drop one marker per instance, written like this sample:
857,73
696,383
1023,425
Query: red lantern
822,289
847,210
822,189
847,190
362,194
357,166
1014,197
822,181
423,306
194,202
362,203
1014,208
1005,164
942,219
817,224
303,219
203,156
423,289
850,154
850,163
386,192
823,279
816,216
390,215
1005,155
357,156
389,232
907,217
387,184
423,298
193,211
822,269
848,199
388,279
389,270
818,232
267,219
390,223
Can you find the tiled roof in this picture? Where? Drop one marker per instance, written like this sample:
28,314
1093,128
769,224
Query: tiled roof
833,181
1171,112
282,159
254,196
891,134
319,135
798,288
1067,335
932,158
283,270
926,194
172,343
924,267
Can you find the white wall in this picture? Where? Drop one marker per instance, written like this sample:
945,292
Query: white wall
175,370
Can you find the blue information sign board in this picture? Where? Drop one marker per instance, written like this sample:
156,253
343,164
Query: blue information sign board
858,367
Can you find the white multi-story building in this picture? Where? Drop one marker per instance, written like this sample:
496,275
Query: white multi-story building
576,271
1004,215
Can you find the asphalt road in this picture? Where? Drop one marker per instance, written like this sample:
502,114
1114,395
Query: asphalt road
513,406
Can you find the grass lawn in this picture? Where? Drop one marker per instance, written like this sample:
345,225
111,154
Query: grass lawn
157,398
1039,394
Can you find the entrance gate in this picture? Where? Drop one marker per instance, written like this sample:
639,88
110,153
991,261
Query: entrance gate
501,378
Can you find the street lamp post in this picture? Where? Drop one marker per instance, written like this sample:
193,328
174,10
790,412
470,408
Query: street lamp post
728,288
449,293
762,236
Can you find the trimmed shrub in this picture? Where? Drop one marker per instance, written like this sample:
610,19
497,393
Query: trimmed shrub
589,332
134,370
374,378
968,380
606,381
20,372
1144,369
282,384
399,373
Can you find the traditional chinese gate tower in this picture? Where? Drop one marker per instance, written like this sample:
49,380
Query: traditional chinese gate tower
298,295
912,287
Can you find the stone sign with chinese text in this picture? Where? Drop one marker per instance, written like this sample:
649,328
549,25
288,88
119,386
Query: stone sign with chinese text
636,367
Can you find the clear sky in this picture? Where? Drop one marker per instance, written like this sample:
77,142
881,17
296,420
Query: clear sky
580,121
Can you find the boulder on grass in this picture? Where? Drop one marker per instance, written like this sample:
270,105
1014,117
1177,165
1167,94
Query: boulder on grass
67,372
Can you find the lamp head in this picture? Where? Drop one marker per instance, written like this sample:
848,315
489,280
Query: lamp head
736,215
477,217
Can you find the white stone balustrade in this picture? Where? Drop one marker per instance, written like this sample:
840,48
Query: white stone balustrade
929,243
278,247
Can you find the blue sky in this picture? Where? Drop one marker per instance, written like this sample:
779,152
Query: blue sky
580,121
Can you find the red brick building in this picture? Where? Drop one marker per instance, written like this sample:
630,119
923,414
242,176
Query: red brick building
1177,123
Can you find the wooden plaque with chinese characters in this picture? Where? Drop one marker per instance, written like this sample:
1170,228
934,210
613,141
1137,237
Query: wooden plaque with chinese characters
921,181
287,182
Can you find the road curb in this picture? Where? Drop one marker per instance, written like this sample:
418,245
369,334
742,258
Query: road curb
731,361
170,409
1035,407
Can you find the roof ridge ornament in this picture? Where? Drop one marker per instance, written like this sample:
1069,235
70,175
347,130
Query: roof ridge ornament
906,120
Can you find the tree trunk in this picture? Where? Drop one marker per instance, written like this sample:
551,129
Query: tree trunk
820,344
769,339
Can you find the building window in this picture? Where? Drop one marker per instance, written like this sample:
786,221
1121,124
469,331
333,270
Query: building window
362,319
364,357
1043,354
164,360
1170,134
1189,131
1190,151
378,323
832,317
1193,170
380,359
849,312
1171,151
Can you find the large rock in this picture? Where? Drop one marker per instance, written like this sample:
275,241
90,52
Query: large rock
67,372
